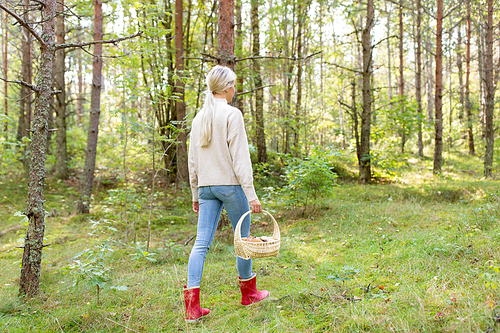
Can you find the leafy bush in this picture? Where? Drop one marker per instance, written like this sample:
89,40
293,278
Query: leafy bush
309,178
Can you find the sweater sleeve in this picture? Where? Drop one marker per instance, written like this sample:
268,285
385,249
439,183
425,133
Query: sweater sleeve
240,155
193,176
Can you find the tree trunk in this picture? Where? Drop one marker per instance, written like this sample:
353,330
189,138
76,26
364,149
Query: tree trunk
418,79
61,165
226,33
490,95
5,72
25,98
438,121
259,94
79,102
468,105
430,85
365,165
389,67
239,52
460,72
33,244
95,111
298,106
482,79
401,81
355,121
182,164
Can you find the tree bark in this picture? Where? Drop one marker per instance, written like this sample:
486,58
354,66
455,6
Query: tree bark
61,164
182,164
79,102
468,105
460,72
389,67
418,79
438,121
259,94
33,244
226,33
239,53
490,95
25,99
365,165
298,106
5,71
401,81
95,111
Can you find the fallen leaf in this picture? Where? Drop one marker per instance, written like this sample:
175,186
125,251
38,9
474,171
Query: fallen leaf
381,287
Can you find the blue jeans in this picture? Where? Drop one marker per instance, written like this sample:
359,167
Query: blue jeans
211,199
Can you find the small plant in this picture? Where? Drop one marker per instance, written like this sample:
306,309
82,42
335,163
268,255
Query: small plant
89,266
492,276
309,178
141,253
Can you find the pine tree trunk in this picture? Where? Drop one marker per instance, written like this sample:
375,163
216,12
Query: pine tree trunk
389,55
468,105
259,94
226,33
95,111
5,72
438,122
25,98
460,73
430,84
401,82
182,164
418,79
298,106
79,102
61,165
33,244
239,52
490,95
365,165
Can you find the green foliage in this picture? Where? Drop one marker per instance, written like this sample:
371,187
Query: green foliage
309,178
91,265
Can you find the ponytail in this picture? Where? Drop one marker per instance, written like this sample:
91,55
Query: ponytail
219,79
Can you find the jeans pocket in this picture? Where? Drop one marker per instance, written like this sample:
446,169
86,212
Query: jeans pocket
226,190
200,191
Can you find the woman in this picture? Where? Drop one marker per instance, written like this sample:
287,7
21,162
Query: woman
220,173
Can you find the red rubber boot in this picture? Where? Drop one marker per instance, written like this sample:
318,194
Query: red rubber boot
249,292
194,312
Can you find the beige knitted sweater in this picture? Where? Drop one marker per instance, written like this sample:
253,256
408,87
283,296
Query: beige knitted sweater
226,161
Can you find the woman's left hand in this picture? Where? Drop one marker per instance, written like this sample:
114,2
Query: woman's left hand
196,207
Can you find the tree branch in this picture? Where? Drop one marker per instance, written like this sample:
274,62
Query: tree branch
251,91
107,41
340,66
26,84
23,23
279,57
198,58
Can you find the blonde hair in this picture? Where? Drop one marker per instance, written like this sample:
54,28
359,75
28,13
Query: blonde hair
218,80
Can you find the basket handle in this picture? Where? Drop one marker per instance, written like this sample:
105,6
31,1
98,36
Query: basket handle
237,230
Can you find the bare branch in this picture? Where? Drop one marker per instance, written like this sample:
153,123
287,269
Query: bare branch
346,68
23,23
26,84
279,57
382,40
198,58
210,56
107,41
251,91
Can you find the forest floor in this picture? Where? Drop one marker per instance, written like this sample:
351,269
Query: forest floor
417,253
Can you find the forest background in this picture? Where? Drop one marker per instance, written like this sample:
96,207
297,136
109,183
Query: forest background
98,100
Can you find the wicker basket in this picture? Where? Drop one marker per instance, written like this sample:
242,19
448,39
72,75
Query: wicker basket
254,250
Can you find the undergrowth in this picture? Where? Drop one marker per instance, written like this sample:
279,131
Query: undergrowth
413,253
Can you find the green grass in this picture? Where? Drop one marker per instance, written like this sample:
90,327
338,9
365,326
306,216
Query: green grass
404,255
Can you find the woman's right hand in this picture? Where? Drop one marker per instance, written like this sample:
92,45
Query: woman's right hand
256,206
